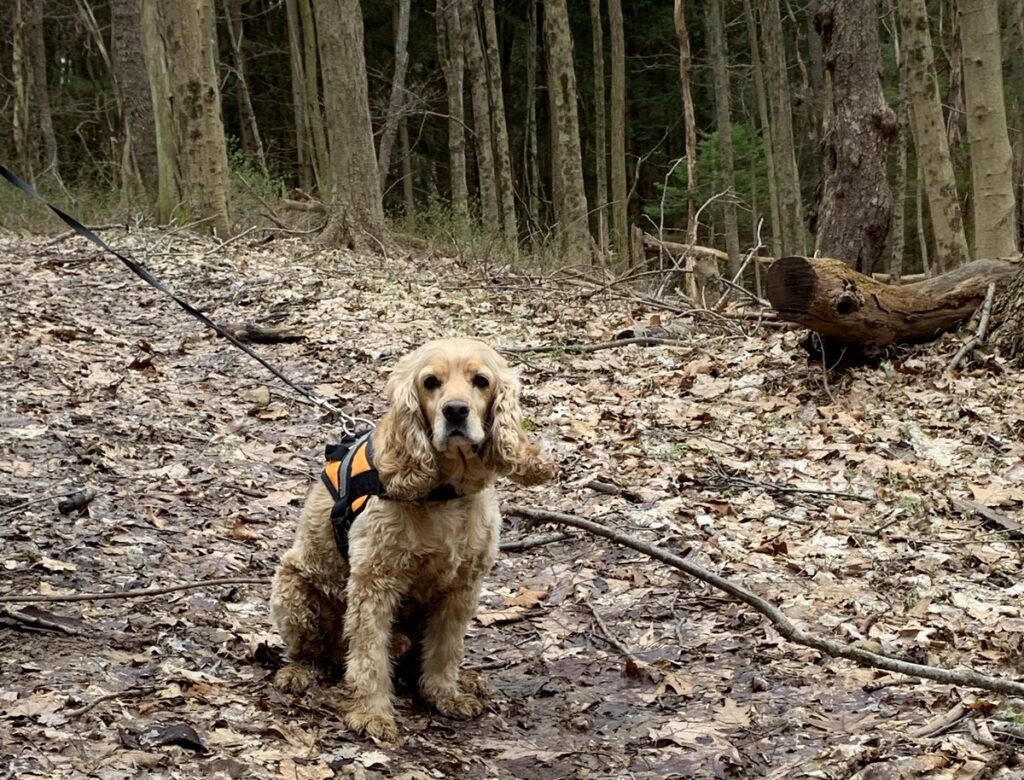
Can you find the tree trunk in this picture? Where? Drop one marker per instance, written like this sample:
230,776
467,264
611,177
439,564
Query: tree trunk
322,161
449,43
600,130
479,90
995,228
129,71
35,61
689,122
855,209
570,197
531,165
304,153
930,137
766,135
899,222
620,194
251,142
1008,310
832,299
723,110
1016,43
20,119
163,116
408,193
183,81
396,101
356,214
784,149
499,128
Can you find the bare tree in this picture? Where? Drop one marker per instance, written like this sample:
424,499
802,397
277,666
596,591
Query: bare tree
689,120
570,197
930,138
248,129
356,213
499,129
322,157
138,156
995,212
397,100
600,129
180,43
449,43
784,147
620,195
304,150
480,91
855,207
723,109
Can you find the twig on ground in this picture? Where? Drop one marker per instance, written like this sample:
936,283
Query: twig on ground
990,516
133,594
644,341
612,490
608,636
519,545
966,677
979,336
942,721
134,690
723,477
35,621
61,237
42,500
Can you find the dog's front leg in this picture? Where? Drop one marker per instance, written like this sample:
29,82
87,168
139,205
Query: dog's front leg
371,611
443,647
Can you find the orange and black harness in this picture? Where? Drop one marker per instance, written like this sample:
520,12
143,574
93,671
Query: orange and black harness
351,477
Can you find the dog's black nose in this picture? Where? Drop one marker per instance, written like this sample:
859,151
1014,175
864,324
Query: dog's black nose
455,411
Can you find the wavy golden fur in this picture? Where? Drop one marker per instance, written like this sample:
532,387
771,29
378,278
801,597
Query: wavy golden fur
453,419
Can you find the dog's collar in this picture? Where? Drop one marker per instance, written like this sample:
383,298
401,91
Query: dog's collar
351,477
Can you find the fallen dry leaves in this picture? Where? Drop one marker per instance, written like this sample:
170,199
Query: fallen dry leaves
200,461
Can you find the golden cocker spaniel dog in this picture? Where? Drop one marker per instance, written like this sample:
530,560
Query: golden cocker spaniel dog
453,420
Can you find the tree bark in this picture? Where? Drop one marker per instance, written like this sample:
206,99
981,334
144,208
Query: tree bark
832,299
356,214
780,103
930,139
600,130
531,165
482,141
570,197
304,152
723,111
620,195
35,48
20,120
408,193
499,128
129,72
251,142
689,120
396,101
449,42
1008,311
322,158
1016,44
855,209
183,81
766,135
995,228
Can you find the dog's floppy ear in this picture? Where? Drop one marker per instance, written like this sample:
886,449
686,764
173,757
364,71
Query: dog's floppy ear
507,450
405,457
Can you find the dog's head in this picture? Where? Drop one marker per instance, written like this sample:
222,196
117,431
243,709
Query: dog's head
451,401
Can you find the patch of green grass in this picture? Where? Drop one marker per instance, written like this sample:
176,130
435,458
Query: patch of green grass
529,425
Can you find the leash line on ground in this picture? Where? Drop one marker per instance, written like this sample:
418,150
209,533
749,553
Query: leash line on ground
350,423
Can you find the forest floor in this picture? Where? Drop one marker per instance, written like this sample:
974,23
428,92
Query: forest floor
733,450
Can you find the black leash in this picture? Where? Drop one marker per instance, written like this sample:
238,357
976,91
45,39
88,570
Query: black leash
151,280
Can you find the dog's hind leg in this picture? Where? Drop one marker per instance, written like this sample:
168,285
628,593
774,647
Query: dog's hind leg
310,625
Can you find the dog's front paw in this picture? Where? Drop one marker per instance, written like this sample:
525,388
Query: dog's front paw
294,678
375,724
459,705
474,684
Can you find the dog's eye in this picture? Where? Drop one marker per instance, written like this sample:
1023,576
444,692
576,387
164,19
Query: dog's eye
431,382
481,382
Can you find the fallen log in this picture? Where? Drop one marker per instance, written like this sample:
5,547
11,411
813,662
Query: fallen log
679,250
832,299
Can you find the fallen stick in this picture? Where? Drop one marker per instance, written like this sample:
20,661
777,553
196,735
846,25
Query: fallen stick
132,594
644,341
783,625
35,621
979,336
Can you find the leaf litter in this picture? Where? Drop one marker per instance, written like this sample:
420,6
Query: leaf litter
731,451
